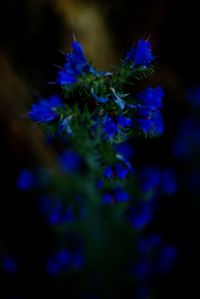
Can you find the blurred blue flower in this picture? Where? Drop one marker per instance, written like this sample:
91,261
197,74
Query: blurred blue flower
141,215
65,78
108,172
107,198
69,161
148,244
58,262
167,258
124,121
25,180
120,171
151,97
45,110
77,260
168,182
53,268
120,195
110,127
55,211
141,55
149,178
63,258
145,125
157,123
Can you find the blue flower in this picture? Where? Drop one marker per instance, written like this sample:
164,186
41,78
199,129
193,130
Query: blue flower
69,161
55,211
65,78
149,120
108,172
45,110
157,123
110,127
145,125
149,178
63,258
124,121
141,216
120,171
107,198
58,262
26,180
151,97
141,55
51,208
167,258
120,195
168,182
75,66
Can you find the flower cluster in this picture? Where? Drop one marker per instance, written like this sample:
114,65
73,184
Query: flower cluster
96,189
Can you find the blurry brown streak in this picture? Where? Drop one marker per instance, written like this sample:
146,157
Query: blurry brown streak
87,22
21,135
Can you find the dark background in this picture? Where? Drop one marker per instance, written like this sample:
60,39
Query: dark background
30,34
